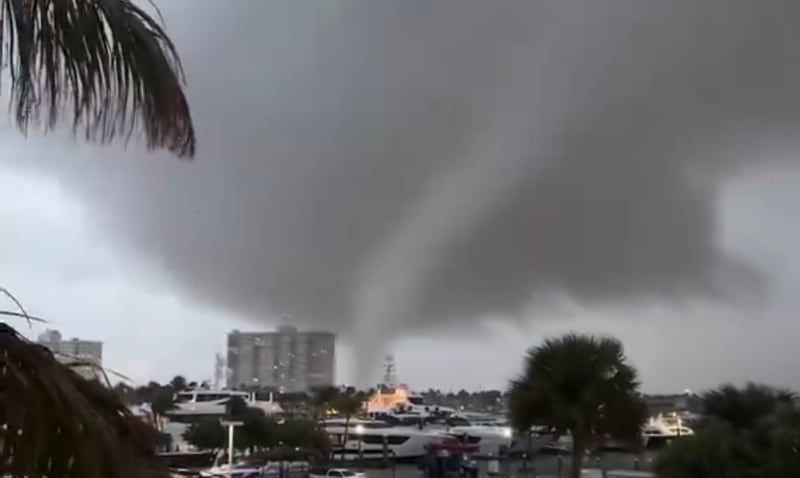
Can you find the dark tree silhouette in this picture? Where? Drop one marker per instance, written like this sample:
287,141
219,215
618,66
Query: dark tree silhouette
178,383
58,424
582,385
749,431
162,402
206,434
745,407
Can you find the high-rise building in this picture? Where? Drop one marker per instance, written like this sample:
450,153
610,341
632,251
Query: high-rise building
287,360
75,350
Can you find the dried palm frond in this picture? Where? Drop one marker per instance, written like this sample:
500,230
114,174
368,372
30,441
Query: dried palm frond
54,423
107,62
20,315
21,312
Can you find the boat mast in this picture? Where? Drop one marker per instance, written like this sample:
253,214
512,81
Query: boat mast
389,371
219,371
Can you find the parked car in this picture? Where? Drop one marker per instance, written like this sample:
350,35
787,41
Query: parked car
335,473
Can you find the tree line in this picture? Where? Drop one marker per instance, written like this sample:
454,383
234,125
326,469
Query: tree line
160,395
576,384
259,434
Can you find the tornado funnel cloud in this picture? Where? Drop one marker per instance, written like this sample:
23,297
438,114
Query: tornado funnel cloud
383,169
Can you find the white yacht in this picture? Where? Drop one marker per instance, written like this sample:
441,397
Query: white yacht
661,429
489,437
484,419
214,402
367,437
488,433
657,432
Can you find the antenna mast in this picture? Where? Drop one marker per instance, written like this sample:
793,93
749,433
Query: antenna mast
219,371
389,371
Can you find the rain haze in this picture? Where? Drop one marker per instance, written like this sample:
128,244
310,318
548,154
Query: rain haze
437,178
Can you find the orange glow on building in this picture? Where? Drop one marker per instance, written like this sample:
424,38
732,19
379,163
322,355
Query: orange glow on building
388,398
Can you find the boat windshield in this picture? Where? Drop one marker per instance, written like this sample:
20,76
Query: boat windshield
184,397
377,425
458,422
353,425
415,400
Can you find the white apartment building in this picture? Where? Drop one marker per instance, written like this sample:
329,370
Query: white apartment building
287,359
74,350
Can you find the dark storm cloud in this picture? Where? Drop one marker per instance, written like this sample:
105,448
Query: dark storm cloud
382,167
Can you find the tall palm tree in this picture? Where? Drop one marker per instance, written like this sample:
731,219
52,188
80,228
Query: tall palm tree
105,66
109,69
582,385
349,403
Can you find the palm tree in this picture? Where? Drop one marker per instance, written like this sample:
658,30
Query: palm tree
581,384
162,402
323,398
745,407
349,403
111,71
236,408
105,66
178,383
751,431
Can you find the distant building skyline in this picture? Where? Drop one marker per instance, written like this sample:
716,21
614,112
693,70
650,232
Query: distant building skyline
74,350
286,359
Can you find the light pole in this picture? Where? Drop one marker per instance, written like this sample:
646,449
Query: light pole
231,426
508,434
678,422
360,432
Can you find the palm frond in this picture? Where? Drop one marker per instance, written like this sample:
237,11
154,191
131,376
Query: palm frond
107,62
349,402
529,407
20,308
55,423
20,315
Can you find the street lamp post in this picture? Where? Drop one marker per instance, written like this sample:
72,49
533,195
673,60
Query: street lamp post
360,432
679,422
231,426
385,450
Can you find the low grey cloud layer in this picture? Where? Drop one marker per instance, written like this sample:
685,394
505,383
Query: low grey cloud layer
383,168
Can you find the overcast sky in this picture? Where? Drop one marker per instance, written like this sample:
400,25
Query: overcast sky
448,180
